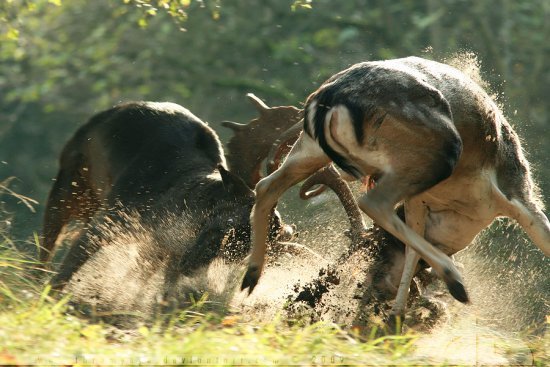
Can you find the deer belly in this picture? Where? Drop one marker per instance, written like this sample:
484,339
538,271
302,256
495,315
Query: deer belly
451,231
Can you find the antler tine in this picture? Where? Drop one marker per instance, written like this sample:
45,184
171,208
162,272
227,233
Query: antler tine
330,177
234,125
260,105
306,193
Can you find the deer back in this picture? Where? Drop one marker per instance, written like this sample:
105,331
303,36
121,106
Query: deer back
138,151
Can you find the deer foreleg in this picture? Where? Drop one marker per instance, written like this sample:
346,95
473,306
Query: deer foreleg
415,217
305,158
378,204
534,223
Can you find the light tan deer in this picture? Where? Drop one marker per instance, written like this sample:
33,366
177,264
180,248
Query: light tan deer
429,137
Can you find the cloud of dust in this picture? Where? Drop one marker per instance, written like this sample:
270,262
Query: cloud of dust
507,279
133,274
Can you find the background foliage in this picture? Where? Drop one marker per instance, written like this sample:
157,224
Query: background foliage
62,61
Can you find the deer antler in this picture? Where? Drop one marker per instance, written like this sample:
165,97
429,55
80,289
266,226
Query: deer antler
252,142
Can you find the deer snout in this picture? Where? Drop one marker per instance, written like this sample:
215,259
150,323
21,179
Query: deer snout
279,231
287,232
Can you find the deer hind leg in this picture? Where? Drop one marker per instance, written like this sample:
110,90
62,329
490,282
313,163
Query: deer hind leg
73,260
305,158
70,198
86,244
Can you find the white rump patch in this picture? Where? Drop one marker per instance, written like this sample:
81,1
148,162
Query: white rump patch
340,135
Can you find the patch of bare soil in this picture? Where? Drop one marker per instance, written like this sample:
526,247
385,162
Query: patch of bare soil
345,292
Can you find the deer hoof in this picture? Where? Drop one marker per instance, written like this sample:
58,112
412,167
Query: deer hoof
287,233
57,284
394,324
251,278
458,291
456,288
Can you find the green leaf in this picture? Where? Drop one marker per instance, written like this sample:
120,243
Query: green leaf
12,34
142,22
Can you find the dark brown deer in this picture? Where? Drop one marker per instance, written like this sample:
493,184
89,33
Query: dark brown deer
157,159
428,136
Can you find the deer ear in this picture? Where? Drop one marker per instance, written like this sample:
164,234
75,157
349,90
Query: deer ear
234,183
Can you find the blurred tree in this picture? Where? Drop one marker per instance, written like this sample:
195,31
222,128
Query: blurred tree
61,61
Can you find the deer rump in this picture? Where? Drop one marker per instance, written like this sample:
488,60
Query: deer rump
153,160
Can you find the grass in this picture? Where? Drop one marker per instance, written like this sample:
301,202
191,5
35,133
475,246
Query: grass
38,328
